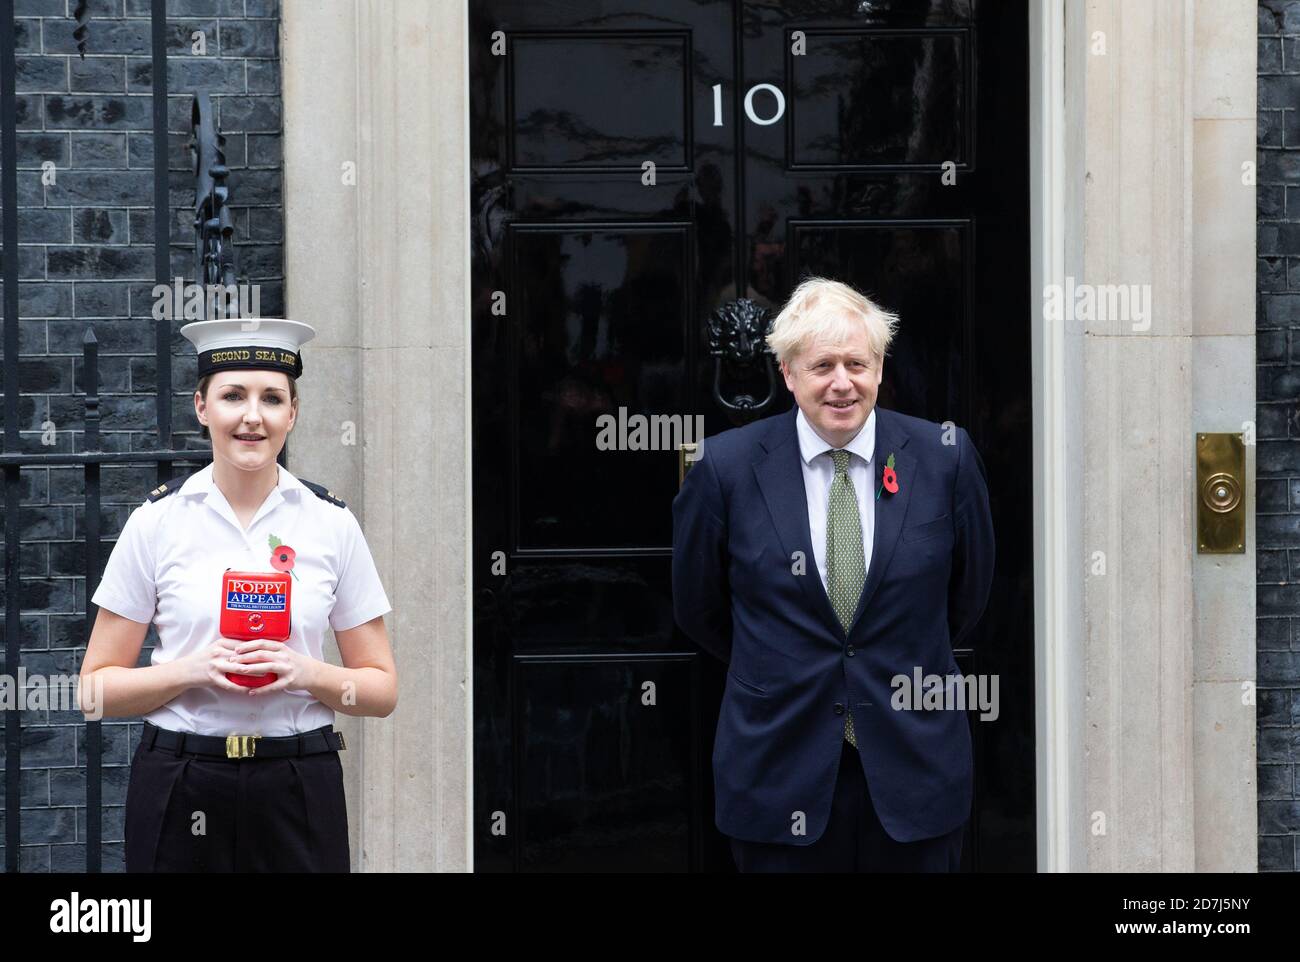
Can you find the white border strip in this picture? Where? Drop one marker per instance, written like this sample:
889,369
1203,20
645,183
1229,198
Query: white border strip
1048,198
468,377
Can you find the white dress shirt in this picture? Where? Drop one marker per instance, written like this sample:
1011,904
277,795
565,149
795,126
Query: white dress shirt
166,568
819,472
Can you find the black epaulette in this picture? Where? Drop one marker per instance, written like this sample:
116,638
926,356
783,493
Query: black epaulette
325,495
167,487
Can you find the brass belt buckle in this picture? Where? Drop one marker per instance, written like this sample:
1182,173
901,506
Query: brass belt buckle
241,746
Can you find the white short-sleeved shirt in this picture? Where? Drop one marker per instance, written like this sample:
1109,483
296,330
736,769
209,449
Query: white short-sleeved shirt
167,565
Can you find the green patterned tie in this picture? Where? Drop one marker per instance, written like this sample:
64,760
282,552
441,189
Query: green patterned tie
846,563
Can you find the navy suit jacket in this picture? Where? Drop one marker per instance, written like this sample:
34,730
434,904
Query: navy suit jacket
738,521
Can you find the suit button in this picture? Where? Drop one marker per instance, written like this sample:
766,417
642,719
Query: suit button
849,651
839,709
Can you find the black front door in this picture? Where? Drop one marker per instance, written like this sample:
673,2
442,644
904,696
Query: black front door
636,167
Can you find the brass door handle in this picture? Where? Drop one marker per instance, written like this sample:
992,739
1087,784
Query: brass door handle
687,455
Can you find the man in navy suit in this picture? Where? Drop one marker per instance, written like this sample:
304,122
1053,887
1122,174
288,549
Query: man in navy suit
823,555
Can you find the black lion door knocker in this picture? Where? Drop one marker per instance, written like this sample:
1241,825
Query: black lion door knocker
737,340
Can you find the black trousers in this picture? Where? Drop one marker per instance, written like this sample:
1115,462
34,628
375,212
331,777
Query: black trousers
854,840
191,813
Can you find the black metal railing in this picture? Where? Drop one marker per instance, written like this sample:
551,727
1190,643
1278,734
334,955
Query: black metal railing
9,190
214,263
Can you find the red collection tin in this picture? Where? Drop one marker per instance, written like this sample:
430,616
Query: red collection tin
255,604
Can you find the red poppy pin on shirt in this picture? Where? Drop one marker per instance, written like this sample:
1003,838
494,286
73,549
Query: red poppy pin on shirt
282,556
889,478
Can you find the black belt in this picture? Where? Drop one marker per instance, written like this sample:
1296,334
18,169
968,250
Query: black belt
323,739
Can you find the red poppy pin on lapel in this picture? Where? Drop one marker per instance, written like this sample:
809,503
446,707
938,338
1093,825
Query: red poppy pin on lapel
282,556
890,478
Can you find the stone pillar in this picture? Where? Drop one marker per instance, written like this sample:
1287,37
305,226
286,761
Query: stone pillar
1223,399
376,180
1168,635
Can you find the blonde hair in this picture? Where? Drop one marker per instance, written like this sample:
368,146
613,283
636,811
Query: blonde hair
824,310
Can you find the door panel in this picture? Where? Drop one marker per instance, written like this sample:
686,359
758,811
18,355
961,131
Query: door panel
602,325
567,122
867,99
606,778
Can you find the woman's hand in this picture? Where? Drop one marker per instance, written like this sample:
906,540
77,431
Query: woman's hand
208,667
256,658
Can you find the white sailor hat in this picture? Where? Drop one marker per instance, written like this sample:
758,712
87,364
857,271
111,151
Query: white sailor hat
268,343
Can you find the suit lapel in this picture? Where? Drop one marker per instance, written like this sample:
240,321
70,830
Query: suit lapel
780,478
890,509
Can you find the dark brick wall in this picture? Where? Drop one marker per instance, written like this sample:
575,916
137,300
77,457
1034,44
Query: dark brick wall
1278,434
86,260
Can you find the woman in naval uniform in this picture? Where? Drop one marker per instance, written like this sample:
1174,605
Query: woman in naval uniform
226,777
